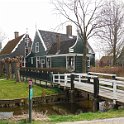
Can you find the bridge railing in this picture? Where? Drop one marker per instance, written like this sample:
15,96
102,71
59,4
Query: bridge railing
61,78
112,83
72,79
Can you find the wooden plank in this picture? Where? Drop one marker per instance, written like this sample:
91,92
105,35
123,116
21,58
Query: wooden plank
104,91
120,78
102,74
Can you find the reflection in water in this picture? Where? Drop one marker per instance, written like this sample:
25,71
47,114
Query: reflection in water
61,109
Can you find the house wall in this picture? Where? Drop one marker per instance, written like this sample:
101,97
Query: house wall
59,61
20,50
78,64
41,47
92,60
35,54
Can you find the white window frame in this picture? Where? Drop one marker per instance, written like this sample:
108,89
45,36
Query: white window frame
88,63
72,66
32,61
48,62
42,61
36,47
37,60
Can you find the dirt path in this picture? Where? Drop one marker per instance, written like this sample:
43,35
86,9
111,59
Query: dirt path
101,121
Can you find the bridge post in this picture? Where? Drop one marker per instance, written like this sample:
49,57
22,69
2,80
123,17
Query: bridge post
72,81
71,92
96,95
114,92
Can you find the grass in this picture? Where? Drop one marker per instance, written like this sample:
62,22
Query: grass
88,116
53,119
9,89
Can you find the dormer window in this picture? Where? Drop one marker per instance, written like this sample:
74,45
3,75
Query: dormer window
37,47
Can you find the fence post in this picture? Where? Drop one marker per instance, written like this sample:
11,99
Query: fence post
72,81
96,95
114,91
65,76
71,91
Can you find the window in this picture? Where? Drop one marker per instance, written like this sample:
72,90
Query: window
37,47
26,44
38,62
32,60
48,62
26,51
88,63
42,61
70,63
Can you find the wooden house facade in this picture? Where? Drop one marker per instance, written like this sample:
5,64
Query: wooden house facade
19,46
56,50
120,60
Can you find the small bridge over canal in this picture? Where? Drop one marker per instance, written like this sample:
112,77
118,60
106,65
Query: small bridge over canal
112,88
100,85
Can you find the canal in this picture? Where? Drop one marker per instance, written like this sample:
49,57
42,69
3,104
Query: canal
50,109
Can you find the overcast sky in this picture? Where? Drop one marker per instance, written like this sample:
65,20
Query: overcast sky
19,15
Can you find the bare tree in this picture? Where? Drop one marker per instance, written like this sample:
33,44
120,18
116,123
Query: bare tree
112,28
83,13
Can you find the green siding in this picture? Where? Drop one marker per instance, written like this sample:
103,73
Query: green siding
92,60
41,52
78,64
28,61
58,61
41,48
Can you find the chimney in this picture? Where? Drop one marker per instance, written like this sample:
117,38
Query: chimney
0,45
58,42
69,30
16,34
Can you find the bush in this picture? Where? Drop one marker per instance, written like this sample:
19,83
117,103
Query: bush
119,71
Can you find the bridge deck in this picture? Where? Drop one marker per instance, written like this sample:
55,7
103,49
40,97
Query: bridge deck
106,93
112,89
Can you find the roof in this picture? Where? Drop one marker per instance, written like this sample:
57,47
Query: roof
106,58
11,45
49,37
64,47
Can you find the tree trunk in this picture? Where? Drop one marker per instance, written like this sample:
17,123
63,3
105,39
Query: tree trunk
9,71
84,62
18,79
114,48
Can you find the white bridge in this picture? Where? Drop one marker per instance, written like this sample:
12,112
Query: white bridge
112,88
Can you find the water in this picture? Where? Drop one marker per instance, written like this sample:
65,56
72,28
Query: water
50,109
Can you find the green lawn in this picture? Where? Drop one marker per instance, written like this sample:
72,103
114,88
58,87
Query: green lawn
87,116
53,119
9,89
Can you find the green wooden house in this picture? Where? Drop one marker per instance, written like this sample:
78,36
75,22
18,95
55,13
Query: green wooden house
56,50
120,60
19,46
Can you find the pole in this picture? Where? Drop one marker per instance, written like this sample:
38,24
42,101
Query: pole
30,101
96,95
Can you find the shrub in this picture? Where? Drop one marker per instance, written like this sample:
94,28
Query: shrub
119,71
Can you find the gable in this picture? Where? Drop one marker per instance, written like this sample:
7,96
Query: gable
64,47
42,50
79,46
11,45
49,38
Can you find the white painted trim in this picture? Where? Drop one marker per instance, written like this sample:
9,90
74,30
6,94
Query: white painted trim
36,46
72,47
32,60
18,44
69,54
47,62
42,40
32,44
